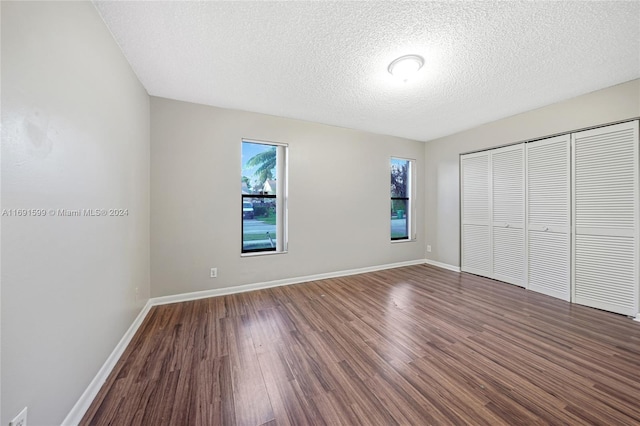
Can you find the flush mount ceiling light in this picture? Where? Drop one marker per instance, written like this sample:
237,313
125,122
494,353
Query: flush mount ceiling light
406,66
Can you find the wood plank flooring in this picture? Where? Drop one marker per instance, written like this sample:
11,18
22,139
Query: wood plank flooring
409,346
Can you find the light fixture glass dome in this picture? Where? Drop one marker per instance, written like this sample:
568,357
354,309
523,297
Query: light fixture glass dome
406,66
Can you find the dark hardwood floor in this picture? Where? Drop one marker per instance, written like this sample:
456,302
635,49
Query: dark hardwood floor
416,345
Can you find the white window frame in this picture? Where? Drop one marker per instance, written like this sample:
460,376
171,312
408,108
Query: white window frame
411,191
282,197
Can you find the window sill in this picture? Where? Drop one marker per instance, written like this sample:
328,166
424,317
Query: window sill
263,253
412,240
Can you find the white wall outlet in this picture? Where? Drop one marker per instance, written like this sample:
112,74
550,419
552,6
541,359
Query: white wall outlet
214,272
20,419
428,249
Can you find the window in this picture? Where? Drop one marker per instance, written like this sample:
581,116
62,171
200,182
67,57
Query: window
263,197
400,199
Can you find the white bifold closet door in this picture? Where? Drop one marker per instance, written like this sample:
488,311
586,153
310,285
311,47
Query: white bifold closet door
475,223
507,211
605,242
548,216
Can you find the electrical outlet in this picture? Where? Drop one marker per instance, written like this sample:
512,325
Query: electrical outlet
20,419
214,272
429,249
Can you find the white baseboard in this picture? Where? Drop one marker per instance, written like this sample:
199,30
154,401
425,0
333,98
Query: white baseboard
637,318
184,297
83,404
80,408
442,265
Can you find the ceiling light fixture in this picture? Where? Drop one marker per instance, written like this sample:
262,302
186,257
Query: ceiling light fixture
406,66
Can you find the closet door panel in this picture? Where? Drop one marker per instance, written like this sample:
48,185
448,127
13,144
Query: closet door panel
507,177
548,217
604,271
476,249
549,264
475,229
606,218
508,255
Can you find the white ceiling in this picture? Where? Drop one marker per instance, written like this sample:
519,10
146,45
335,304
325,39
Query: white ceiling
327,61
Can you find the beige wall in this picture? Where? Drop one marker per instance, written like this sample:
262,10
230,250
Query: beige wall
338,198
442,210
75,134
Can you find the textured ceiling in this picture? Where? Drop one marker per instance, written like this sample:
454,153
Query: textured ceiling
327,61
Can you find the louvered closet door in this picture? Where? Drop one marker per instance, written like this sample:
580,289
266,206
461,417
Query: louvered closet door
606,218
548,217
476,231
508,214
